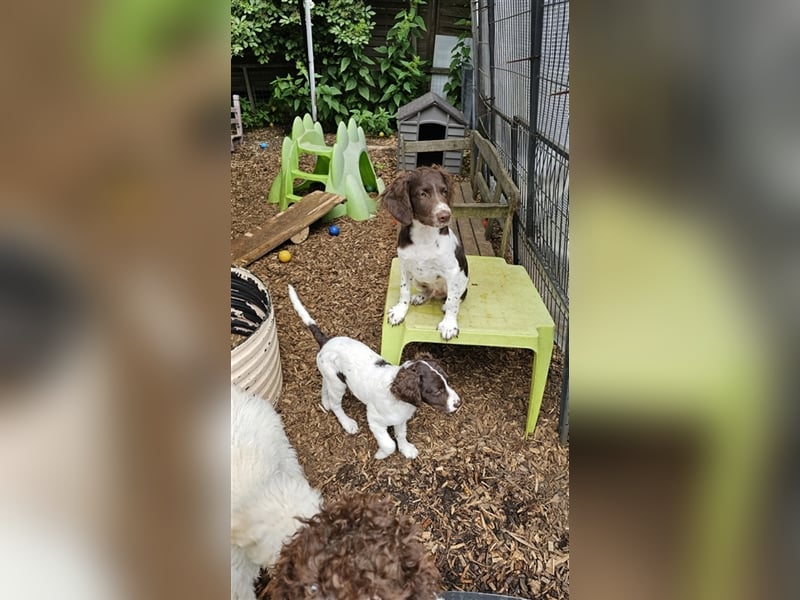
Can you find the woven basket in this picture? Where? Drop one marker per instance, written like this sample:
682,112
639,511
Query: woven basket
256,362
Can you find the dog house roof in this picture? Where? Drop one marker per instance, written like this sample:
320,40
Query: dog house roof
427,100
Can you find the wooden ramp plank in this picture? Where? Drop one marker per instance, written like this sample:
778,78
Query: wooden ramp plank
462,227
254,244
484,245
467,236
471,230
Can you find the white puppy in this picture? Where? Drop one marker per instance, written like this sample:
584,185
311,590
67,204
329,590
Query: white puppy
390,393
269,491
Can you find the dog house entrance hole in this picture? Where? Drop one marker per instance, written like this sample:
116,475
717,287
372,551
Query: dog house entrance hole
431,131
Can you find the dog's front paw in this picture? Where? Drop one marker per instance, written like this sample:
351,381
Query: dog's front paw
408,450
381,453
418,299
397,313
448,328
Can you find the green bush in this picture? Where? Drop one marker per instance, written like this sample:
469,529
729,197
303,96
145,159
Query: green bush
255,118
266,28
460,56
374,123
269,28
346,79
291,93
401,77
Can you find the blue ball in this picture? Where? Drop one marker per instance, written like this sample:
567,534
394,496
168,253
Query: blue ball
333,230
263,144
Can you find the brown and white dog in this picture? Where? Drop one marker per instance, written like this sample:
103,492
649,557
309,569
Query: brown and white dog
431,257
390,393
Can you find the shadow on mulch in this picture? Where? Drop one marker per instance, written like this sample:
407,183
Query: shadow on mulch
491,506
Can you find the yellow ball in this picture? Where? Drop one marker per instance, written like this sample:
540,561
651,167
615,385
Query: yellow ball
381,134
284,256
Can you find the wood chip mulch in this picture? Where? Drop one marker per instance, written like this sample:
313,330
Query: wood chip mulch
491,506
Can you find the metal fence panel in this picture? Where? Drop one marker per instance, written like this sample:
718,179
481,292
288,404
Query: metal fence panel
522,104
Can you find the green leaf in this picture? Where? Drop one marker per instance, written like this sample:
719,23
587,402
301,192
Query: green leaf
364,91
345,64
349,85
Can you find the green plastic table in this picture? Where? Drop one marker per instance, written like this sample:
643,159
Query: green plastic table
502,309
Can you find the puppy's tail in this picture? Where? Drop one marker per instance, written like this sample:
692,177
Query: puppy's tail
306,318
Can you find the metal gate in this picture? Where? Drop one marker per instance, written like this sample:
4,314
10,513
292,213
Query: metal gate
521,83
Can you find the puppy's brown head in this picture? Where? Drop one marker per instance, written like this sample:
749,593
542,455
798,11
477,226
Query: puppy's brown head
423,380
424,194
355,549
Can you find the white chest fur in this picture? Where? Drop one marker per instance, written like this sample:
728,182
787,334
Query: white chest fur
431,256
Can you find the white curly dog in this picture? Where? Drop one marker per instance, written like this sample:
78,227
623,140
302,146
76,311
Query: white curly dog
269,490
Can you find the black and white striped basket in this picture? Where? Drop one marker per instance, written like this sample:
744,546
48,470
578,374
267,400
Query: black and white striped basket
255,362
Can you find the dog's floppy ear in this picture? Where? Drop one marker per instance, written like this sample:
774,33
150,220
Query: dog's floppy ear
397,201
406,386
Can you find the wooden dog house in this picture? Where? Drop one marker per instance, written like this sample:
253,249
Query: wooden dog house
429,117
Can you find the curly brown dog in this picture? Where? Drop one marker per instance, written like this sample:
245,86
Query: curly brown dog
355,549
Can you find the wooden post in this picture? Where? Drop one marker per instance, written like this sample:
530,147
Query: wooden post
250,97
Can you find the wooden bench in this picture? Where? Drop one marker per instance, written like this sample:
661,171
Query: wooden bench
477,201
470,231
